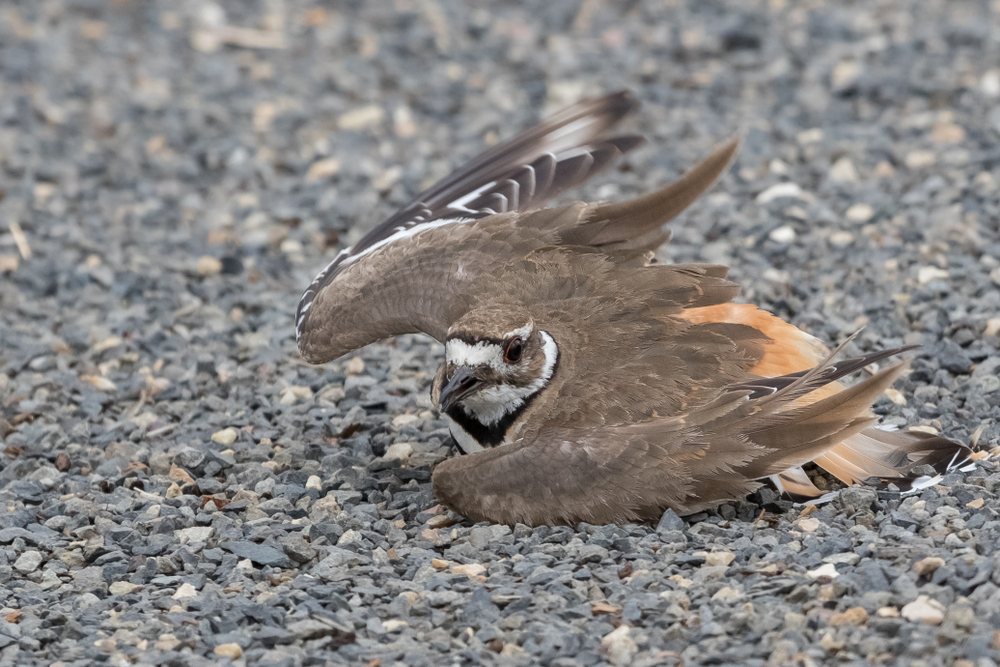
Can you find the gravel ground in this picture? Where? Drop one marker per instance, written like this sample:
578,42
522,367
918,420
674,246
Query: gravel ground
179,488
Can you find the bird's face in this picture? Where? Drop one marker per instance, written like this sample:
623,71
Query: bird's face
495,363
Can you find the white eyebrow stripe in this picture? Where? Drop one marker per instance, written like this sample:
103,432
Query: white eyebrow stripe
523,332
460,353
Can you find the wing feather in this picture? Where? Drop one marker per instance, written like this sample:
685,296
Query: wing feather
557,151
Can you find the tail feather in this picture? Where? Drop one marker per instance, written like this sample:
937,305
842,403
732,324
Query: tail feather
795,483
812,430
875,456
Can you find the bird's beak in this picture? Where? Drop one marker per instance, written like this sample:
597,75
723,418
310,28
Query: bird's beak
461,384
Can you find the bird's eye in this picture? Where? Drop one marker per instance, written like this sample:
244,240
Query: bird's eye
512,351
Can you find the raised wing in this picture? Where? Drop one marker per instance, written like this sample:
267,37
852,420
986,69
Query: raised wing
417,280
518,175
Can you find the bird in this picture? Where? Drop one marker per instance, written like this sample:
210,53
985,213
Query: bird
582,380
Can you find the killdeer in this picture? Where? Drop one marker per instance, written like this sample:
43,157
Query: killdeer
583,381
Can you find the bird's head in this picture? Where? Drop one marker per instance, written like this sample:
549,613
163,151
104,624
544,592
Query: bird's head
496,361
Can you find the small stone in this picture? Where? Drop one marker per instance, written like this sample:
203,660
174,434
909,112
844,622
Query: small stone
843,558
858,497
854,616
511,650
185,591
778,191
180,474
106,645
928,566
809,524
226,436
919,159
989,85
841,239
827,570
298,548
717,558
362,118
322,170
124,588
195,534
947,133
28,562
859,213
783,234
929,273
208,266
924,610
669,521
480,537
810,136
393,624
975,504
399,451
830,643
294,393
471,570
776,276
324,509
895,396
726,593
231,651
887,612
843,171
9,263
356,366
618,646
350,536
99,382
400,421
314,482
260,554
313,629
992,326
402,122
173,491
884,170
845,73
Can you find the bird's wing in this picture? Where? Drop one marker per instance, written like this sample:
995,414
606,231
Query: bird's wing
519,175
712,453
417,279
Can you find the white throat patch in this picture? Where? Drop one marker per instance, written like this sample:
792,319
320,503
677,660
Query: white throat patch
494,403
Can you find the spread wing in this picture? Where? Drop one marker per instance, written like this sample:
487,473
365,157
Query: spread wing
518,175
416,279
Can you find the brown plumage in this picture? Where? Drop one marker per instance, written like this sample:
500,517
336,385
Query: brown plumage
590,384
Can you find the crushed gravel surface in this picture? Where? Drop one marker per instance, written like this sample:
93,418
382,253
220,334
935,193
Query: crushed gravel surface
177,487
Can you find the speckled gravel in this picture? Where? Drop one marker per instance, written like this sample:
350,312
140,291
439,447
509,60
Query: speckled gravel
179,488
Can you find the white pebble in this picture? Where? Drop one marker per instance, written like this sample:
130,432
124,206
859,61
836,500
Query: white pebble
779,190
783,234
